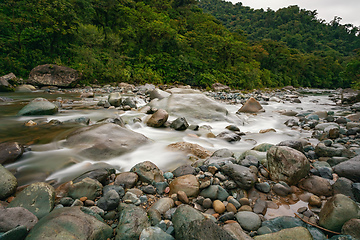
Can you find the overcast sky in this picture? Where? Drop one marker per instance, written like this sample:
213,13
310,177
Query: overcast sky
348,10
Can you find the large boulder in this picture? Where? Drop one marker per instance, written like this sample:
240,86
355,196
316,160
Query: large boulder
251,106
287,164
316,185
8,183
70,223
132,221
193,106
158,118
351,228
38,198
337,211
53,75
187,183
287,234
349,169
104,141
191,224
190,148
242,176
39,106
5,86
148,172
18,216
87,187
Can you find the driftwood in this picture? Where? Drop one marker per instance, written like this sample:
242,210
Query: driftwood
314,225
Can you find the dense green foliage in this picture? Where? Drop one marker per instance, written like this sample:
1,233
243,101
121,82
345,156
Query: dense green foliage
173,41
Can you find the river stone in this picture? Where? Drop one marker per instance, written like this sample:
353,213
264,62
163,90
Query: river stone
293,144
263,147
114,99
100,174
132,221
323,126
148,172
187,183
8,183
235,231
104,141
179,124
38,198
287,234
336,211
109,201
251,106
282,189
158,118
249,221
343,186
316,185
163,205
190,148
12,217
194,106
70,223
39,106
242,176
351,228
87,187
191,224
183,170
218,206
287,164
10,152
322,150
155,233
263,187
159,94
53,75
355,188
349,169
127,179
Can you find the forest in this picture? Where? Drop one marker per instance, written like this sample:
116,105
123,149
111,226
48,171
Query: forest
179,41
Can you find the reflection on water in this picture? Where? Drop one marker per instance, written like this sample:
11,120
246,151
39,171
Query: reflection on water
284,210
49,160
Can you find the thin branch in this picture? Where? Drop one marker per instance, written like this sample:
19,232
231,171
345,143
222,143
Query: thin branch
314,225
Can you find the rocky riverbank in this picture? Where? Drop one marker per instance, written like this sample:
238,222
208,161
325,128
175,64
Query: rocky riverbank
217,194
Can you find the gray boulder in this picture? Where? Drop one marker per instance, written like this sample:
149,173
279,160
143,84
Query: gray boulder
132,221
10,151
287,234
155,233
38,106
187,183
87,187
53,75
70,223
114,99
349,169
158,118
8,183
17,216
316,185
148,172
336,211
104,141
249,221
351,228
242,176
287,164
179,124
251,106
38,198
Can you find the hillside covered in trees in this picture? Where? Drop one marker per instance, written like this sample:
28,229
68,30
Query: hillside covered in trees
173,41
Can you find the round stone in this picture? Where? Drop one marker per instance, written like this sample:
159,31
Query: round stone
248,220
219,206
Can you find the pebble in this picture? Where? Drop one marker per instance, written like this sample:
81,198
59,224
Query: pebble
219,206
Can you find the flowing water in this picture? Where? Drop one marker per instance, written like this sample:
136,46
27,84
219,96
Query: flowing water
49,160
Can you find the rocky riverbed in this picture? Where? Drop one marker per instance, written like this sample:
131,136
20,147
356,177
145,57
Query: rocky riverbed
140,162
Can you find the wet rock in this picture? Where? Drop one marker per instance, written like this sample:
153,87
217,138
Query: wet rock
355,188
132,221
70,223
250,161
251,106
190,148
158,118
187,183
115,99
248,220
38,198
8,183
219,206
109,201
242,176
148,172
184,170
351,228
322,150
214,192
18,233
17,216
282,189
104,141
191,224
287,164
87,187
349,169
10,152
229,136
194,106
287,234
179,124
131,197
343,186
316,185
39,106
263,187
159,94
315,201
263,147
293,144
336,211
5,86
163,205
235,231
100,174
127,179
53,75
155,233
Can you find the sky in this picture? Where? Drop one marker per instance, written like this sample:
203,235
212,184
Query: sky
348,10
